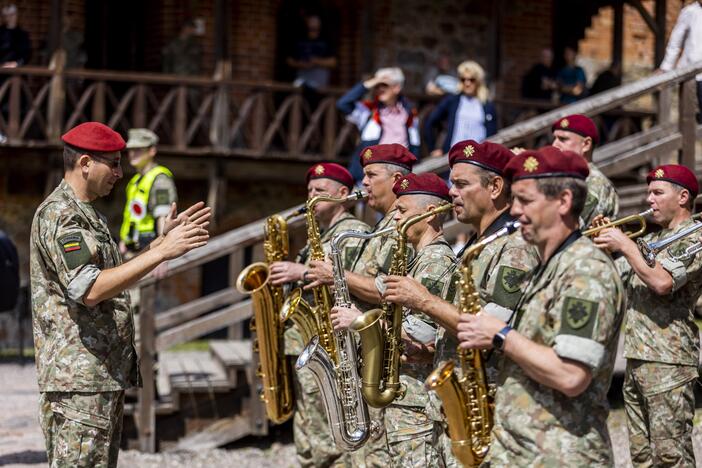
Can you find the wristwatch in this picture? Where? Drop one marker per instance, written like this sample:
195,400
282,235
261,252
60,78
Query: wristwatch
498,341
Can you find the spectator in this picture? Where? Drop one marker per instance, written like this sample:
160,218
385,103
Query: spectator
182,56
540,80
468,115
608,79
571,78
388,118
72,42
441,79
15,48
313,57
685,44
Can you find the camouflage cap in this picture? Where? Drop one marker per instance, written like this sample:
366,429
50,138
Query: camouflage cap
141,138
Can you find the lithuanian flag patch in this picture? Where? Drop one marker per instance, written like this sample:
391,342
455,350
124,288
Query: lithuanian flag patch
75,251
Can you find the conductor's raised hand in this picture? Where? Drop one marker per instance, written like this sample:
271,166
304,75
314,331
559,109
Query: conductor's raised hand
198,214
182,239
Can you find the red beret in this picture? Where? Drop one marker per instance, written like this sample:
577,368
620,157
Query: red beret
548,161
487,155
426,183
389,154
330,171
94,136
580,124
677,174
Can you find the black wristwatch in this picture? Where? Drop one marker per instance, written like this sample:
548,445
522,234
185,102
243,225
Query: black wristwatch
498,341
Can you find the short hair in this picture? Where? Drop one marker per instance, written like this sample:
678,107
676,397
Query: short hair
551,187
71,154
679,188
424,200
392,168
486,176
394,73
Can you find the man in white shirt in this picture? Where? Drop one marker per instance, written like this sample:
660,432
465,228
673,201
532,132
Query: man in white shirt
685,43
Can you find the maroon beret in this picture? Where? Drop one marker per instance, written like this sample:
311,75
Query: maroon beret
330,171
426,183
94,136
548,161
389,154
580,124
487,155
677,174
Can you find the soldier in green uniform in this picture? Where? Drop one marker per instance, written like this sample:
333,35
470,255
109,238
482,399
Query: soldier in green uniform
408,427
481,198
382,166
661,339
82,320
151,194
578,133
558,354
313,440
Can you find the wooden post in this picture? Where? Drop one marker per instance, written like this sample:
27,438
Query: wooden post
99,102
181,117
330,133
236,264
146,413
659,44
55,26
139,108
665,102
258,124
217,190
219,129
57,97
618,32
295,125
13,124
687,123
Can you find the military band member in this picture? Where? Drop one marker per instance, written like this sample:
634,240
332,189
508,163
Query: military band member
579,134
481,199
661,339
558,354
82,320
313,440
409,429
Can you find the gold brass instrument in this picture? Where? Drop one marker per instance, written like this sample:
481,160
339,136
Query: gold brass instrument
337,376
313,319
650,250
381,343
274,369
467,401
639,218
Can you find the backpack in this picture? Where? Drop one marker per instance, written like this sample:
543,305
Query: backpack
9,273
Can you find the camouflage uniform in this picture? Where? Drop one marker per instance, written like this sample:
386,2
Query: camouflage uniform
601,197
661,344
574,303
498,274
85,355
313,440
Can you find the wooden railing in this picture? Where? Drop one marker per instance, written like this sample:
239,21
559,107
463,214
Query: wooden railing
196,116
664,135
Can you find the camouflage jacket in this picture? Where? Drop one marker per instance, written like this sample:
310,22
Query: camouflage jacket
498,275
662,328
601,197
79,348
350,250
573,303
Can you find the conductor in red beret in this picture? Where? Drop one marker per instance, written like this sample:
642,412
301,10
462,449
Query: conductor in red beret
81,313
557,349
661,339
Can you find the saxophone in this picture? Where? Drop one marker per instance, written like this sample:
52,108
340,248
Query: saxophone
337,375
381,344
274,369
313,319
467,400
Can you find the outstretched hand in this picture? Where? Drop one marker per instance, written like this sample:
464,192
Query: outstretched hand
197,214
182,239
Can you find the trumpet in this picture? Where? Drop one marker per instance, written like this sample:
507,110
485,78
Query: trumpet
650,250
639,217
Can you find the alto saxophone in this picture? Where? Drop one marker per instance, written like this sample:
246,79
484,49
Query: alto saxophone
313,320
467,401
337,375
274,369
381,343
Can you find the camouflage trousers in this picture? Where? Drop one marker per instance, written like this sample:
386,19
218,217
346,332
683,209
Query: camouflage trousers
660,405
82,429
313,440
442,444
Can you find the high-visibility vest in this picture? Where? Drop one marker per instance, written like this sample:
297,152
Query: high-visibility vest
136,220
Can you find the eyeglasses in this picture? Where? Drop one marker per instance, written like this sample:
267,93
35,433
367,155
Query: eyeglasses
112,163
469,79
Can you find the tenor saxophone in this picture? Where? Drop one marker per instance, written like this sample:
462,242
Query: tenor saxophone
381,343
274,369
337,375
467,401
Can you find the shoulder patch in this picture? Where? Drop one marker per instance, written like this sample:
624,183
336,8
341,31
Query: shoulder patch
350,255
434,285
590,202
162,197
508,286
74,250
578,317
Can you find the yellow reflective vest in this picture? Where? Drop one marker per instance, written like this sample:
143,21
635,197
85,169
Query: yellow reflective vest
137,221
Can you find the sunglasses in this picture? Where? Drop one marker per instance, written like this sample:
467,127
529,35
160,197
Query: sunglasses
468,79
